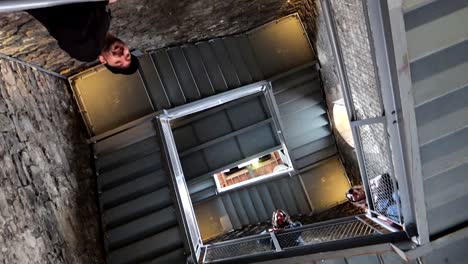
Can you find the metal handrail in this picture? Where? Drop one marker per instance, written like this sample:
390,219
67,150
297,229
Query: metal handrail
19,5
309,247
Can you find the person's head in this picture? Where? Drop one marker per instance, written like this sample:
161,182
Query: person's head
280,219
117,57
356,193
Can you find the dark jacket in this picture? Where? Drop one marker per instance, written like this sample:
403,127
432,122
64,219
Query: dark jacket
80,29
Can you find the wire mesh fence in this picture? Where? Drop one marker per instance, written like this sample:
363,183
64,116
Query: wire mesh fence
378,170
351,229
360,70
297,237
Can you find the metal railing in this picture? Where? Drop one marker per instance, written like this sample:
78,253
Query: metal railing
367,110
331,235
19,5
179,183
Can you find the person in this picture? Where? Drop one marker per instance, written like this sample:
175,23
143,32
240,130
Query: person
357,196
82,30
281,221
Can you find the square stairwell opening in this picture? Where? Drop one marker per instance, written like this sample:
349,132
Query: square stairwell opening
205,140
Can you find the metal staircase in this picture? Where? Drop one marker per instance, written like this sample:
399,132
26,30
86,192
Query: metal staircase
139,215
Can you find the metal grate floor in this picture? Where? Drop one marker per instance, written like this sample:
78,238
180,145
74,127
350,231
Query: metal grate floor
303,236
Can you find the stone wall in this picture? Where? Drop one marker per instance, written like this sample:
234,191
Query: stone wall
149,25
48,208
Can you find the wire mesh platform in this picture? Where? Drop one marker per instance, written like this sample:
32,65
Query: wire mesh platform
302,237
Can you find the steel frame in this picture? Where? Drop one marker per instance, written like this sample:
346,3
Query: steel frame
179,183
291,254
381,43
386,26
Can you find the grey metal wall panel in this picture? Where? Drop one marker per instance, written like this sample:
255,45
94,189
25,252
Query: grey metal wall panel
203,195
305,138
246,114
288,197
304,102
141,228
169,79
255,204
258,203
185,138
235,55
276,196
455,253
423,22
365,259
132,189
305,121
267,200
129,171
153,82
137,207
206,130
316,157
150,247
183,74
392,258
312,147
432,10
241,213
295,78
445,153
198,70
446,187
443,116
124,139
299,195
257,140
297,92
448,215
194,165
177,256
129,153
248,206
212,66
225,64
199,185
249,57
230,153
231,211
333,261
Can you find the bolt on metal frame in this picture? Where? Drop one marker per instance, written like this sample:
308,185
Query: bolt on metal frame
187,213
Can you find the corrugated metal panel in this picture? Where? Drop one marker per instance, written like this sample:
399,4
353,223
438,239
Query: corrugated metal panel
254,204
437,42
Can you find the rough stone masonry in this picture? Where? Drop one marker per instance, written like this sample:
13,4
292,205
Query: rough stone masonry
48,208
150,25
